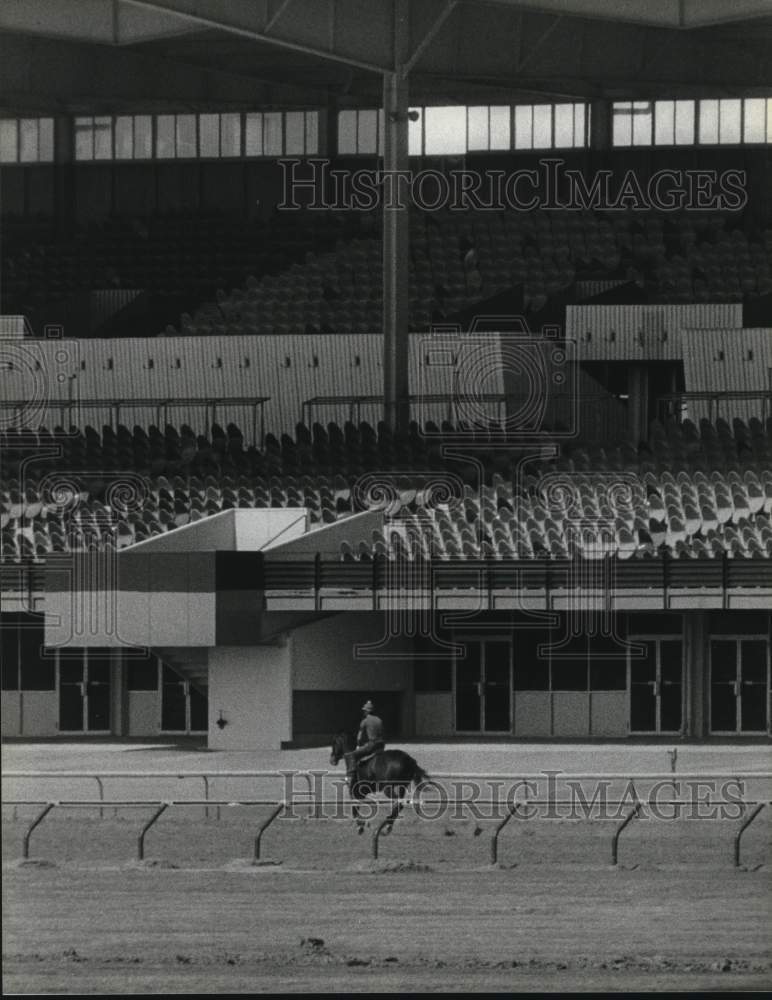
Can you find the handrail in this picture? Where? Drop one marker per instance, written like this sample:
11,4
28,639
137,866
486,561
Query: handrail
279,807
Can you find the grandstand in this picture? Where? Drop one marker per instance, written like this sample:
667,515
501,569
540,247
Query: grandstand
496,451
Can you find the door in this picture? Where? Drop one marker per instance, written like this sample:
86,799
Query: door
174,702
656,686
184,708
484,687
85,693
739,682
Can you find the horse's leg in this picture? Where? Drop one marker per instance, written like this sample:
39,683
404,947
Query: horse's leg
359,821
394,792
355,792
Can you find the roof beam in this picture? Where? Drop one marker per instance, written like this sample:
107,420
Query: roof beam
683,14
246,21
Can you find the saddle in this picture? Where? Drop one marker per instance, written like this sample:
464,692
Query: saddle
363,760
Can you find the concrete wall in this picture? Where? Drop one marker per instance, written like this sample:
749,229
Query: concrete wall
609,713
324,656
252,687
39,713
434,713
143,713
10,713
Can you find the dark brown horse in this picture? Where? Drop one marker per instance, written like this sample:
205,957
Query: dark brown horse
390,771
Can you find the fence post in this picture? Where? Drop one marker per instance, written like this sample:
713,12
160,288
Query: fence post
615,842
748,820
38,819
141,839
377,835
495,838
264,826
101,788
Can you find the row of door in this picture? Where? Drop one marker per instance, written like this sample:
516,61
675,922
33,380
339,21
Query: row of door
85,698
739,685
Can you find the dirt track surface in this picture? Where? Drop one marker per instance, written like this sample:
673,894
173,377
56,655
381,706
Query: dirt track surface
320,915
382,927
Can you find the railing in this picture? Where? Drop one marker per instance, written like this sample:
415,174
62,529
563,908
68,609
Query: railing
454,406
315,799
279,807
718,403
70,410
662,574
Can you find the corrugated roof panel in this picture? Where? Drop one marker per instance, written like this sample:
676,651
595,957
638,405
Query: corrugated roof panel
728,361
642,332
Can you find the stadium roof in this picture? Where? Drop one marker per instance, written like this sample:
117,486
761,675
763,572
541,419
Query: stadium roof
103,54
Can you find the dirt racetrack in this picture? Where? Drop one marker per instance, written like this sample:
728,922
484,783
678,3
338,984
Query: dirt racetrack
319,915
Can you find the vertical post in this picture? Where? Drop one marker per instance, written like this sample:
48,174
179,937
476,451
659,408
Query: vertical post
141,839
38,819
395,228
738,836
264,826
618,832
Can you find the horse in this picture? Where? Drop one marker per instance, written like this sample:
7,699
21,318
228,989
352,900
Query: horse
389,771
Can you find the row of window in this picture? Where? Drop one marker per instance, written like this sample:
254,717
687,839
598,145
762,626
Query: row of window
454,130
728,121
188,136
432,131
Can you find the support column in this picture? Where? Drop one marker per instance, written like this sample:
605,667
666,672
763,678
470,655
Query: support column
600,125
396,232
696,657
65,206
638,391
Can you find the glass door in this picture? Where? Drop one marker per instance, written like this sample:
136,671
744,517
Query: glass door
184,708
656,686
85,687
739,686
484,687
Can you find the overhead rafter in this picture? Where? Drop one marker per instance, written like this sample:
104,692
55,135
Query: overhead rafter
249,21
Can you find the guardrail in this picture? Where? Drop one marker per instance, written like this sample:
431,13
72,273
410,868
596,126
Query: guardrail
279,807
313,778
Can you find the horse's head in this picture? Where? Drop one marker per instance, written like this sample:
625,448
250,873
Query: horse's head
341,744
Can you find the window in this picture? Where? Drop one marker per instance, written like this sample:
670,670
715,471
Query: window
94,138
673,123
360,132
219,135
9,655
542,126
176,137
164,136
185,136
26,665
489,127
632,123
431,676
280,133
456,129
444,131
142,673
720,121
599,662
26,140
711,121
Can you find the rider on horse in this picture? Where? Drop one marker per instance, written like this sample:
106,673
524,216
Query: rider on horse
369,740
